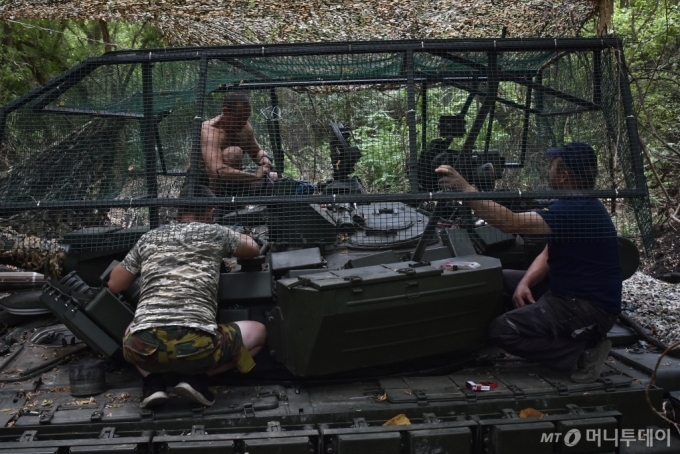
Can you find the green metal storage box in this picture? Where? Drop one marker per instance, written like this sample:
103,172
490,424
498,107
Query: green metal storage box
348,319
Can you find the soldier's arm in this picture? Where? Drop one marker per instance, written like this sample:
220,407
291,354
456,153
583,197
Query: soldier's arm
536,273
508,221
120,279
251,146
493,213
247,247
212,156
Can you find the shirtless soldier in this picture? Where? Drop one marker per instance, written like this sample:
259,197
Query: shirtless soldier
224,140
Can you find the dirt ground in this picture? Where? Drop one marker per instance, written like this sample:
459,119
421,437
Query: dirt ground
664,261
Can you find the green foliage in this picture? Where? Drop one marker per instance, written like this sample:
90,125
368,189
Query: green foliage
651,34
380,169
32,52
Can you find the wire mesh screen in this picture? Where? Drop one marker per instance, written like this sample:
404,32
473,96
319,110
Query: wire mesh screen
362,145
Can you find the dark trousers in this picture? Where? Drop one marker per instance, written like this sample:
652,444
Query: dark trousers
511,279
554,330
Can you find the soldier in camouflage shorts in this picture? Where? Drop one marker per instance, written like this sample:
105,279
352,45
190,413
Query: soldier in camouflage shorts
186,350
174,328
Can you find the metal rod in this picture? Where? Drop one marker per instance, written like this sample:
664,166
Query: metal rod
509,76
566,111
147,133
319,199
275,132
423,116
460,60
243,67
411,121
197,126
631,125
3,126
550,91
489,101
470,98
159,146
609,124
475,91
525,129
69,77
543,125
494,70
271,50
597,77
88,112
429,232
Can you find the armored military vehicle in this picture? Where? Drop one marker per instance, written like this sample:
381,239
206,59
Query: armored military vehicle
376,287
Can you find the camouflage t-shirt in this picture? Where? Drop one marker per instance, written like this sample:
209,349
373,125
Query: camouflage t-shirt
179,266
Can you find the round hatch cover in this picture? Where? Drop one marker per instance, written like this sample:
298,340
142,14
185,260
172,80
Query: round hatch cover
385,225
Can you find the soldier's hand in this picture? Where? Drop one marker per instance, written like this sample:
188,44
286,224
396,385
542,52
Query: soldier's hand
451,179
265,160
522,296
262,170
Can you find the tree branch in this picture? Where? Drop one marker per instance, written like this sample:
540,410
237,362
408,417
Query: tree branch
104,27
656,175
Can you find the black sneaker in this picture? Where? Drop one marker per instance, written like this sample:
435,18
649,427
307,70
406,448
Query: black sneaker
591,363
153,391
195,388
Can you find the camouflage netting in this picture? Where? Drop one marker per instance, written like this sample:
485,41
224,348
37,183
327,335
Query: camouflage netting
201,22
318,144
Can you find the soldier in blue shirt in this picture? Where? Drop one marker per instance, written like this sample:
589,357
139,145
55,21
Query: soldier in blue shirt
566,326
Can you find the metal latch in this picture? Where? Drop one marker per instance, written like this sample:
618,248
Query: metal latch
359,422
407,271
509,413
146,415
198,430
517,392
98,414
301,282
47,415
575,409
107,432
273,426
355,283
248,410
609,385
470,395
28,436
562,389
421,397
412,289
430,418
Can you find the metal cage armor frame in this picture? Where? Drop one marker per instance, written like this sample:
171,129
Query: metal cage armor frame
519,96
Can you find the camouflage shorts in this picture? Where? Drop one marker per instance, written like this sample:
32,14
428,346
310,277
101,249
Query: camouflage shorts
186,350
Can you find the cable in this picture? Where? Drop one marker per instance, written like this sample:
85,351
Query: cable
649,385
65,33
45,368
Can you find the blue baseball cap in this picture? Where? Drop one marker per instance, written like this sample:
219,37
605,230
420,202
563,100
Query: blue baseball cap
579,156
